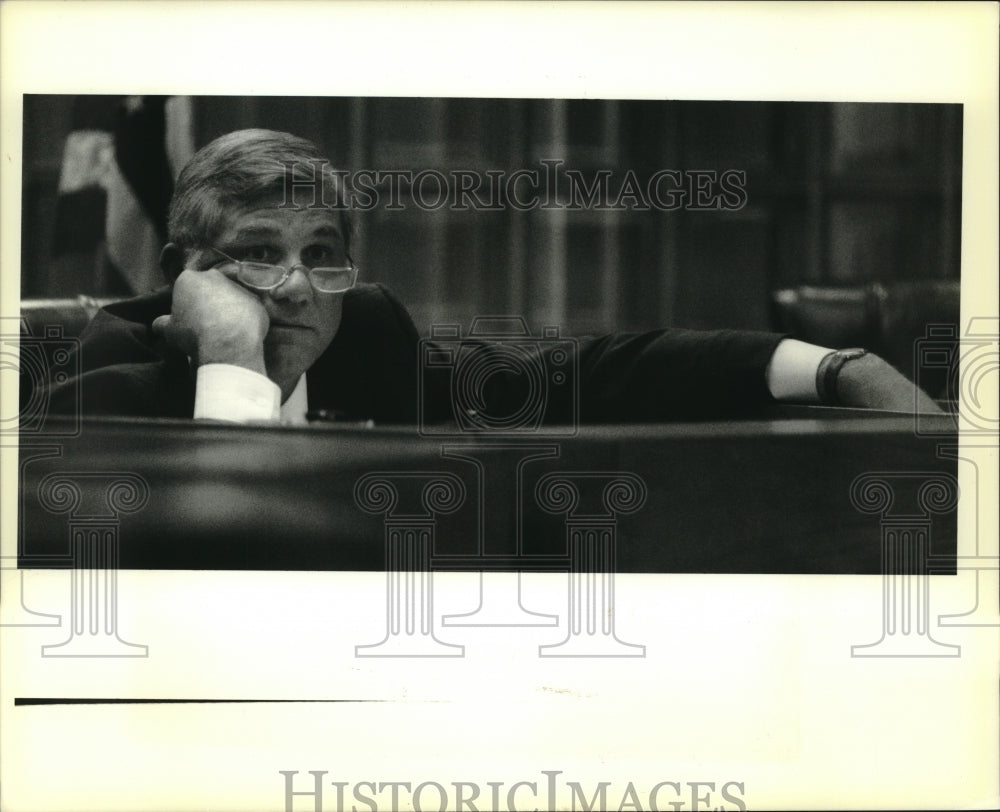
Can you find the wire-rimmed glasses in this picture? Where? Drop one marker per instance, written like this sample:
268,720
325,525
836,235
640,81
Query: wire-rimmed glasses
265,277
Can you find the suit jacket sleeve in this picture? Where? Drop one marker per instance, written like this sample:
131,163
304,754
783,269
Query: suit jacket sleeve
675,374
663,375
124,369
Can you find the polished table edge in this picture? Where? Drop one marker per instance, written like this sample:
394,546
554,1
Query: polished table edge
791,419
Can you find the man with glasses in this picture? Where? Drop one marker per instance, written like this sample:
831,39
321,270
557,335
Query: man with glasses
259,276
260,282
265,321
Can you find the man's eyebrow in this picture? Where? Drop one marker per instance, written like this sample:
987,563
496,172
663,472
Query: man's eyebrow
269,233
327,231
256,232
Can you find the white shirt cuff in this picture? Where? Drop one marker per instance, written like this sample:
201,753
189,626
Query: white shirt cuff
235,394
791,374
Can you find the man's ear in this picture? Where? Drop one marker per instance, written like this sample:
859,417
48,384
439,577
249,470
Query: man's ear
172,261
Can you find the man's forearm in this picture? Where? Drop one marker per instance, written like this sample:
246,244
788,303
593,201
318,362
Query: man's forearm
866,382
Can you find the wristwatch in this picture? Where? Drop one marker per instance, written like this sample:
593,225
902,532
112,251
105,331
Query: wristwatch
828,370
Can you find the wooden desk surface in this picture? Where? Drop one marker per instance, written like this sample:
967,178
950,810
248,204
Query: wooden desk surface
756,497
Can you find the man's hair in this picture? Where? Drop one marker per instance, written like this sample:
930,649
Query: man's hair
241,168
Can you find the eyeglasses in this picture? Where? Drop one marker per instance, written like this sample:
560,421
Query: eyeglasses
264,277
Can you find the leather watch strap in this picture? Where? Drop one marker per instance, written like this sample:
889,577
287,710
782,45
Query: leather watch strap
828,371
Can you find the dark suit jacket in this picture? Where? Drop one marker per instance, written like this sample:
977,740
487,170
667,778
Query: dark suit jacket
376,367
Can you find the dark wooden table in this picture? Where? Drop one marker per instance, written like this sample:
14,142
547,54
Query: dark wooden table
771,496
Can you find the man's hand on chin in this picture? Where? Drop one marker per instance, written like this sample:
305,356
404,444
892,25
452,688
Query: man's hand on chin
214,320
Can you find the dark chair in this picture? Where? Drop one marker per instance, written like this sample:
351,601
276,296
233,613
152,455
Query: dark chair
71,315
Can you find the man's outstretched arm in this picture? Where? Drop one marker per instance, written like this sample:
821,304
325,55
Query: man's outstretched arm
701,375
804,373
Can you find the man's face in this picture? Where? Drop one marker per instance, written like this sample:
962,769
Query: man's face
303,320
